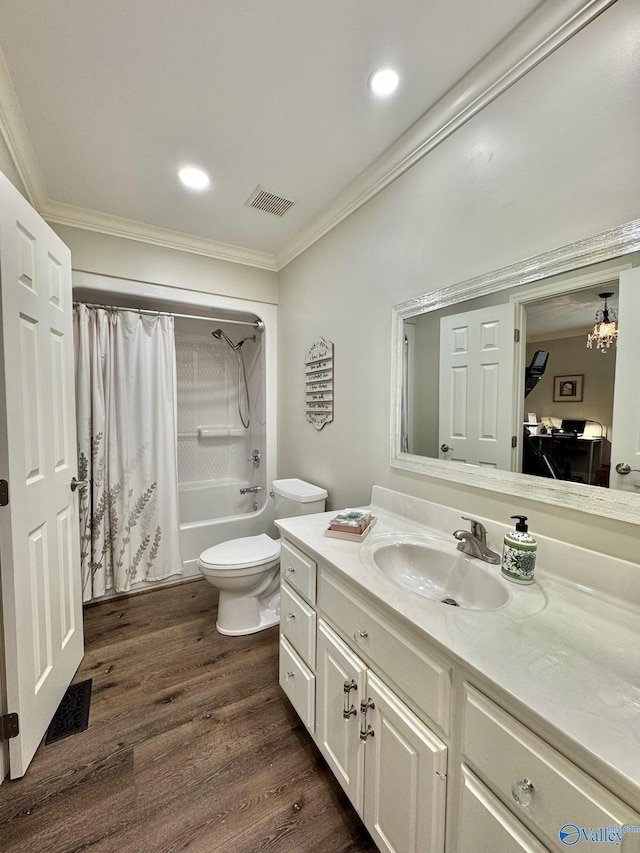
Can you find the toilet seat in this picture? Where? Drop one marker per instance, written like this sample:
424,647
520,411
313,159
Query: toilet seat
243,553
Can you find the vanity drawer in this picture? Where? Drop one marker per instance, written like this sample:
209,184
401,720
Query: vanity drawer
298,570
486,826
396,657
298,682
298,624
543,788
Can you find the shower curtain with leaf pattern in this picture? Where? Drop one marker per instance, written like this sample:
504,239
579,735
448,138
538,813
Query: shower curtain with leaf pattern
126,423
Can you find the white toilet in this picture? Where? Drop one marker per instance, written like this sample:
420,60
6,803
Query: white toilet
247,570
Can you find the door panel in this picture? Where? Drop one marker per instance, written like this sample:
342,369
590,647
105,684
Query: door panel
337,737
405,777
477,386
39,539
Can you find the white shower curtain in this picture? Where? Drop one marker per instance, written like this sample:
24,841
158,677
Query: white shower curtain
126,422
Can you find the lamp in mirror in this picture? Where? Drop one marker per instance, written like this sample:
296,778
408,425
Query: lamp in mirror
605,331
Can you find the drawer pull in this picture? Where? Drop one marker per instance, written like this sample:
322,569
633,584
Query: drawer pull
289,675
365,730
522,792
349,711
360,635
290,616
291,570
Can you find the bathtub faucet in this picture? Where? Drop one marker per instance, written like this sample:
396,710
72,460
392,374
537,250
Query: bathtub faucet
248,490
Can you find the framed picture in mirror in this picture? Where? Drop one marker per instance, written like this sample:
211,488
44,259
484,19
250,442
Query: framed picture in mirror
568,389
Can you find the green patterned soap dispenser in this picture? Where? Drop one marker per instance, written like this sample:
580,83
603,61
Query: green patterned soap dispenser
519,553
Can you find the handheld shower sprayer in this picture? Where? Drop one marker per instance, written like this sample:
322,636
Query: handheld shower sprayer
220,335
242,375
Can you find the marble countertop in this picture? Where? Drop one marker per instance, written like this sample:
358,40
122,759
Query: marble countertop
573,658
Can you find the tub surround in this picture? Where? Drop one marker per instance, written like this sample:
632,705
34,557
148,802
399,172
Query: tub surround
568,667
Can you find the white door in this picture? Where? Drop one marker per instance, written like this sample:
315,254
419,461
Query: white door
476,399
625,435
39,539
405,777
338,712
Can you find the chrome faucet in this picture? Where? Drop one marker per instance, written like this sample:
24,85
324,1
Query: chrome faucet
474,542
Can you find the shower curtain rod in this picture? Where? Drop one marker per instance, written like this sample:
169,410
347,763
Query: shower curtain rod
258,325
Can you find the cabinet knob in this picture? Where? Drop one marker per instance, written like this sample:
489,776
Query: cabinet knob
522,792
360,635
289,675
290,616
291,570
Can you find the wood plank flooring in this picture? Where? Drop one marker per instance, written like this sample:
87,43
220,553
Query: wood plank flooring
191,746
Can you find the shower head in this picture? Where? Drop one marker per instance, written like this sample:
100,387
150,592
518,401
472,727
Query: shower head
220,335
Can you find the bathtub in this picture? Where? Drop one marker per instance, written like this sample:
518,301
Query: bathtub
214,511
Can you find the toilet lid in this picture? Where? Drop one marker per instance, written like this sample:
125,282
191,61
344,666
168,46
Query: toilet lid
245,552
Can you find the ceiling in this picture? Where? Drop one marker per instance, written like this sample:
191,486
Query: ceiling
568,314
115,96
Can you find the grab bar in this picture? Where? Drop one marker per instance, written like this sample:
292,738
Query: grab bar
249,490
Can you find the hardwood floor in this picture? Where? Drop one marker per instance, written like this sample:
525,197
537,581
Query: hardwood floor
191,745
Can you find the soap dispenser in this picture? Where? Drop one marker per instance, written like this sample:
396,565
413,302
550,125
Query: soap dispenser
519,553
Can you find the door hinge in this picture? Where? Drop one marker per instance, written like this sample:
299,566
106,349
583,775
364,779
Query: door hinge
9,726
514,441
516,335
4,492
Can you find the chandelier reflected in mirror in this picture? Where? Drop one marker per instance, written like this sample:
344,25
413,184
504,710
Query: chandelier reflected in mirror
605,331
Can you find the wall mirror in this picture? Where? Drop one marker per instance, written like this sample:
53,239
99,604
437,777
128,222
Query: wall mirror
463,402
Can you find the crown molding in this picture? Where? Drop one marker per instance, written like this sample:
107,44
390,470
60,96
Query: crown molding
543,31
129,229
14,132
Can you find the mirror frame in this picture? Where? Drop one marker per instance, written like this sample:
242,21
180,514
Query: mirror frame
610,503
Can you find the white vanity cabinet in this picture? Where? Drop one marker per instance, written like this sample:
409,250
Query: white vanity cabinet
298,631
505,762
428,757
392,767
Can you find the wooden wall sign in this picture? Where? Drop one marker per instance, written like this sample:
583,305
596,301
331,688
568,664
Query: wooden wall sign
318,378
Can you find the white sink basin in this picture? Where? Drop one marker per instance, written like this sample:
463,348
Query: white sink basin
434,568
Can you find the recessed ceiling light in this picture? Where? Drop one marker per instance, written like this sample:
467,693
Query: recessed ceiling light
384,82
194,178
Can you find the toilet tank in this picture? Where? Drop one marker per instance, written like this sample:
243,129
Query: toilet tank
295,497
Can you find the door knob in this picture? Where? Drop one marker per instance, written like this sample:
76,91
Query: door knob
445,448
78,484
624,469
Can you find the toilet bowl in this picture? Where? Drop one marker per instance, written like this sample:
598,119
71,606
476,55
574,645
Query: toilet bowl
246,571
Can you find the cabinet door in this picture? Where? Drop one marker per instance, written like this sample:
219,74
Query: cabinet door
405,777
338,734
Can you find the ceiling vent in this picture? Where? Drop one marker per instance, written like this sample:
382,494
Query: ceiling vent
262,199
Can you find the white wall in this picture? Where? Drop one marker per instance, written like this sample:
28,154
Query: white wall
552,160
130,259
